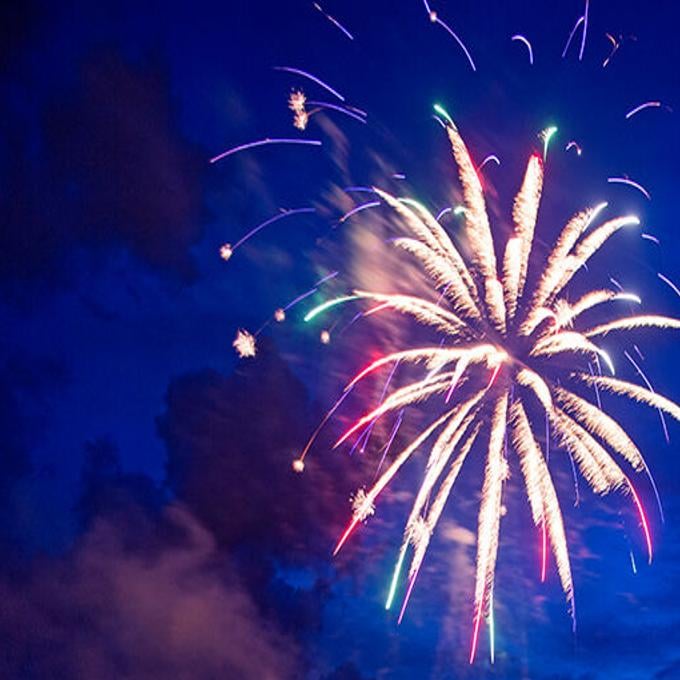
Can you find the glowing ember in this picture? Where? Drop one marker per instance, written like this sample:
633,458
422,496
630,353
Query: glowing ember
244,344
226,251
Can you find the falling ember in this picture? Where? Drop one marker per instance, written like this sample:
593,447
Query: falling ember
298,465
325,337
244,344
226,251
280,315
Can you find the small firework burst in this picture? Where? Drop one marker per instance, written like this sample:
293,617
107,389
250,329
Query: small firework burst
226,251
244,343
297,104
362,505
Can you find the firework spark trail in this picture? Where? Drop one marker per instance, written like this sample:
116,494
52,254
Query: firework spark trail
524,215
546,135
615,46
647,382
669,283
336,107
300,298
574,145
522,39
442,212
386,477
651,238
369,429
311,291
489,159
313,78
334,21
451,32
264,142
388,445
642,107
579,21
271,220
629,182
357,209
643,520
585,31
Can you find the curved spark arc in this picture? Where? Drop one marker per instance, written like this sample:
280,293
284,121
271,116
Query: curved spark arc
264,142
642,107
313,78
630,183
579,21
585,31
667,281
491,157
452,33
271,220
522,39
512,346
334,21
335,107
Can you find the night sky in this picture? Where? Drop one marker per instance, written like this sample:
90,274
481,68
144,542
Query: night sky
151,525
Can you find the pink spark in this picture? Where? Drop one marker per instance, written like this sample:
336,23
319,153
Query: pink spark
643,520
475,634
642,107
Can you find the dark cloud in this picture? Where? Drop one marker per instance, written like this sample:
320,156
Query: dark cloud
108,167
135,176
231,441
26,386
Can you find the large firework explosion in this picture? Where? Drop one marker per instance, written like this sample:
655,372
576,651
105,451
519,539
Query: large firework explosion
513,357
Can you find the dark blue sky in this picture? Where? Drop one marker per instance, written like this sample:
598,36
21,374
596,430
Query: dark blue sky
144,463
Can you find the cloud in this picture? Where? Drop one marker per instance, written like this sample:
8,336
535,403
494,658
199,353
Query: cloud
143,598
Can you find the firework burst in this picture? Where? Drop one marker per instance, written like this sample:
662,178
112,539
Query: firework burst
511,356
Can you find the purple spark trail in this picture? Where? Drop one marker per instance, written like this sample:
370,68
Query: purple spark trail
309,76
263,142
